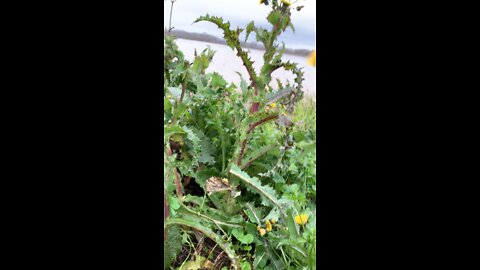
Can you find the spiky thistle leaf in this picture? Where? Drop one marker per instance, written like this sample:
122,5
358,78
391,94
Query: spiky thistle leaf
254,185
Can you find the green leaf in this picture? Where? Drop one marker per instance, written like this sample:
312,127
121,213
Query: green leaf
174,203
173,245
207,149
291,225
201,62
274,214
247,248
252,213
256,186
273,17
260,257
194,265
245,239
246,266
307,147
250,28
193,199
243,86
171,131
209,233
217,81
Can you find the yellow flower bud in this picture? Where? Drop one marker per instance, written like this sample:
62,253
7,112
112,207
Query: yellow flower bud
269,226
262,231
301,219
273,105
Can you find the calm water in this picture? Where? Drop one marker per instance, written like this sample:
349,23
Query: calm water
227,63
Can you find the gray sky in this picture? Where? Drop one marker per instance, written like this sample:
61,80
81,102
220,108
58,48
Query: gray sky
240,13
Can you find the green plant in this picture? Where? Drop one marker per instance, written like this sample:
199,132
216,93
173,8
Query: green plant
239,161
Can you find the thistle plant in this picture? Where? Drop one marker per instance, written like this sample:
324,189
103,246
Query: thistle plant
260,92
238,168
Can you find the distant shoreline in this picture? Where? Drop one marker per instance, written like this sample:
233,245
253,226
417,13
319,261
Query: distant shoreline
213,39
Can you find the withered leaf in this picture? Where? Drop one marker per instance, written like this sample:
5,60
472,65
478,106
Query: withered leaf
215,184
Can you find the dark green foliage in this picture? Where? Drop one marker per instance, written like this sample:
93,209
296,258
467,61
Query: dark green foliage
173,245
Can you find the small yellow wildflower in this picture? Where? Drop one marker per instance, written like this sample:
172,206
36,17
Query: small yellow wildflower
269,226
286,2
261,230
301,219
273,105
312,59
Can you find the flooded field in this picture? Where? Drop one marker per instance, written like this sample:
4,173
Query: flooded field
227,63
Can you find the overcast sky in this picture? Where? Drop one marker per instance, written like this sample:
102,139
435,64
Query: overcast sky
240,13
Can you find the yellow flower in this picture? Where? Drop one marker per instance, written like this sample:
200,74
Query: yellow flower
312,59
273,105
261,230
301,219
286,2
269,226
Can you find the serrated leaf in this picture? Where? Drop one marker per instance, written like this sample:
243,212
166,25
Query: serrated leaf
200,63
256,186
207,152
173,245
209,233
274,214
250,28
217,81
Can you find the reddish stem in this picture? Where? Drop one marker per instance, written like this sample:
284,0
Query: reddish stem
166,212
250,129
178,181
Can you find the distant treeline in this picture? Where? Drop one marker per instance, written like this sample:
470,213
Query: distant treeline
213,39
